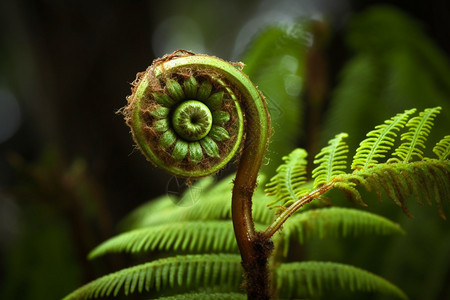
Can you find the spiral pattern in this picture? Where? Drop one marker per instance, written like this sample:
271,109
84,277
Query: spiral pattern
186,119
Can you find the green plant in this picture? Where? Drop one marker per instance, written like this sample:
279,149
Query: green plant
199,248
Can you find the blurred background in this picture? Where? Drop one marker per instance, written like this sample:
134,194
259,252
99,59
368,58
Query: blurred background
68,167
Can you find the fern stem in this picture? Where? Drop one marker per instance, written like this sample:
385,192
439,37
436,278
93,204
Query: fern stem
276,225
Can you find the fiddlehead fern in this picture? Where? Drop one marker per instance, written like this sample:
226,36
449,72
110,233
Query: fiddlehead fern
186,117
185,113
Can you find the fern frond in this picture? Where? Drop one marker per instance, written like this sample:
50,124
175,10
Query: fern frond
379,141
335,222
189,236
312,279
182,271
207,296
428,179
287,185
156,210
212,203
332,160
419,129
442,148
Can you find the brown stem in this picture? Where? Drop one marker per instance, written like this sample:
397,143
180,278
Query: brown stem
254,248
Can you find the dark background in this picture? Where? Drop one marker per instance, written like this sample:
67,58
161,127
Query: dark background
68,168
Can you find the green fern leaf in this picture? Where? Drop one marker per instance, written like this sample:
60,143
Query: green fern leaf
313,279
428,179
419,129
207,296
335,222
442,148
332,160
379,141
190,236
212,202
288,184
182,271
156,210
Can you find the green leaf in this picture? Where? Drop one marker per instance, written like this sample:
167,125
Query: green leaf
166,273
220,117
428,179
287,186
187,236
190,88
160,112
180,150
379,141
214,101
211,201
219,133
335,222
175,90
210,147
204,90
163,99
195,152
313,279
332,160
419,129
442,148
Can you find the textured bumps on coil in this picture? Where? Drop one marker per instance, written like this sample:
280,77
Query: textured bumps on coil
186,118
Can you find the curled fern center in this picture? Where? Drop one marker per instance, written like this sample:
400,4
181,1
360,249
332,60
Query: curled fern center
185,114
192,120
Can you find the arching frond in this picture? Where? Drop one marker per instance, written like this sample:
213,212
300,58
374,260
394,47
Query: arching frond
188,271
212,202
332,160
207,296
313,279
335,222
442,148
188,236
415,138
428,179
287,185
379,141
157,210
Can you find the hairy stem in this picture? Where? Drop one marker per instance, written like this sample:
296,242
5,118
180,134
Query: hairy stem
254,250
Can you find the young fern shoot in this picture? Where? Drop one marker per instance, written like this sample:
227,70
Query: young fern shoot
187,114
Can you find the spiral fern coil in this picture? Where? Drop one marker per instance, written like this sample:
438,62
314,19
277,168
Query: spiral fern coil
185,113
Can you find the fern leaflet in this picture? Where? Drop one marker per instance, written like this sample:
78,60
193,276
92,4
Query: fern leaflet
192,236
211,203
180,271
335,222
419,129
288,184
332,160
442,148
428,179
379,141
312,279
